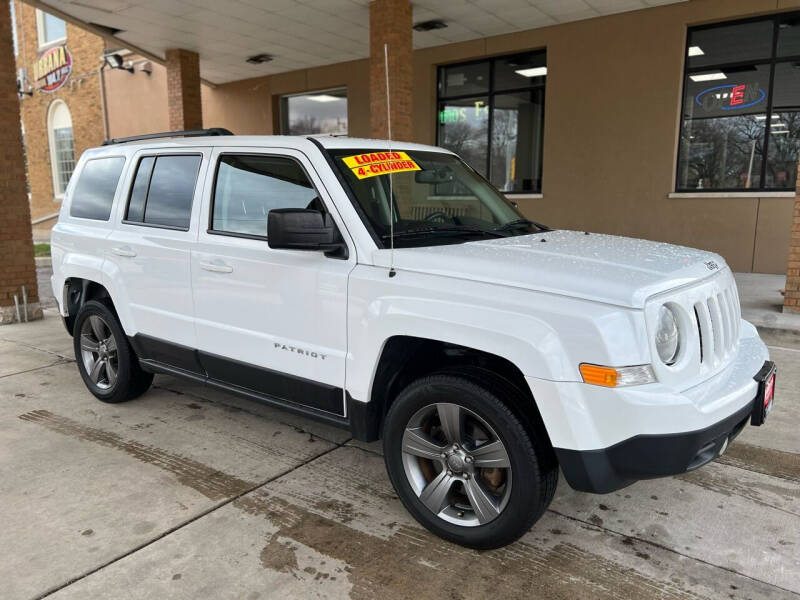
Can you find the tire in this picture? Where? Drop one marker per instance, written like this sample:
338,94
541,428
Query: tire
421,465
98,338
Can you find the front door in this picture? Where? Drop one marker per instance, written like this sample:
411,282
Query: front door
268,321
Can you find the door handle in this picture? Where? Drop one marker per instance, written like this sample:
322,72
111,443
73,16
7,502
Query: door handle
216,267
124,251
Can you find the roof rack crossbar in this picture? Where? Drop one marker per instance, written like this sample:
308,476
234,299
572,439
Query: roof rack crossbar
168,134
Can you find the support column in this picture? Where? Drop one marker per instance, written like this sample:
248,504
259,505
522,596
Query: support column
390,23
791,298
183,90
17,267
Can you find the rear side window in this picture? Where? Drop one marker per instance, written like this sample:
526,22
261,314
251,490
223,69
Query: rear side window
163,190
97,184
248,186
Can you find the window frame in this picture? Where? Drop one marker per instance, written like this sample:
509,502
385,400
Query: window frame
120,180
41,29
771,61
51,143
283,108
213,193
490,94
132,183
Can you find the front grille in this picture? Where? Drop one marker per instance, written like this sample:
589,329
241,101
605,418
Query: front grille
718,321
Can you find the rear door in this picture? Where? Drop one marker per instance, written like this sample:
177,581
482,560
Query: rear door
269,321
150,252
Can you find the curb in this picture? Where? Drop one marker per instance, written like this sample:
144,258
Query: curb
778,336
43,261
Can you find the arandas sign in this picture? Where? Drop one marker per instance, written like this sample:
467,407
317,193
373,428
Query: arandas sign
52,69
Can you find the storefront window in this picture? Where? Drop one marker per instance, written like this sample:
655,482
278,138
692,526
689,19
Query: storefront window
62,146
317,112
741,107
491,113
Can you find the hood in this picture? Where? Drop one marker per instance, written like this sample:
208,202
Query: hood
602,268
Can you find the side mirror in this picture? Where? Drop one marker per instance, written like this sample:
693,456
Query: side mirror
304,229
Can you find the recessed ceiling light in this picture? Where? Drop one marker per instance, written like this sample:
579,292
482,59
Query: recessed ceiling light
708,76
323,98
533,72
696,51
258,59
764,117
430,25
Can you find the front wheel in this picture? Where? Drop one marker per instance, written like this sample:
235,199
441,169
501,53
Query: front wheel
464,465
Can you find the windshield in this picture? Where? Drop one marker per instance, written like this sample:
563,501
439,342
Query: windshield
437,198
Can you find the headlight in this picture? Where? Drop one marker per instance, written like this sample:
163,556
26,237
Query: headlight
668,342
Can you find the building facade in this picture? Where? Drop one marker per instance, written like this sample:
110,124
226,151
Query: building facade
61,104
678,123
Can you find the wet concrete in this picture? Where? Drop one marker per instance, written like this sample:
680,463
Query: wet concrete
191,493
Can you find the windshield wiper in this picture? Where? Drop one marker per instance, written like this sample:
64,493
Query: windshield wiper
446,229
517,223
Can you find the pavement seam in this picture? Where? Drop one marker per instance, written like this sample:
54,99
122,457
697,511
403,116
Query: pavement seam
672,550
183,524
32,347
55,364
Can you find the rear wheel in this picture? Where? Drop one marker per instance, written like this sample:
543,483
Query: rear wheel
463,464
107,363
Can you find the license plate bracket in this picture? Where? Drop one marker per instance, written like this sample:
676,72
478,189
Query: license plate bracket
762,404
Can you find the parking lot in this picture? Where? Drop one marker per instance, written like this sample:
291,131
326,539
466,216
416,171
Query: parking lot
191,493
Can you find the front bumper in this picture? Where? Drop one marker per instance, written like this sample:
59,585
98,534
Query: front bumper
606,438
648,456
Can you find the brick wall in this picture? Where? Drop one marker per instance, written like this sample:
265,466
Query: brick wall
81,93
183,90
17,268
390,23
791,300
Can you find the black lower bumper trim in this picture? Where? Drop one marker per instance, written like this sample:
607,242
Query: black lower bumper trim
648,456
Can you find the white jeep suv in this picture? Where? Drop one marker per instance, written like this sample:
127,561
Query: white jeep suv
387,288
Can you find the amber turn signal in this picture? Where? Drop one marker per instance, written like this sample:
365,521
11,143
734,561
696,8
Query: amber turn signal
622,376
597,375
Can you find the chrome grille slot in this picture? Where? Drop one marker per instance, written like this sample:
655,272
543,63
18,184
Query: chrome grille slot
718,320
716,327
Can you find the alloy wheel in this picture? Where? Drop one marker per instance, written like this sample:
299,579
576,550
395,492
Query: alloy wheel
456,464
99,352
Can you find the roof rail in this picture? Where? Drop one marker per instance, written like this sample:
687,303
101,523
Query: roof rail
168,134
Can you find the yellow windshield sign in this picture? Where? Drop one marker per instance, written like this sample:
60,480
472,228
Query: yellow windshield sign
379,163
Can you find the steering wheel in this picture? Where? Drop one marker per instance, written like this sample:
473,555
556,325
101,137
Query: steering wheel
438,215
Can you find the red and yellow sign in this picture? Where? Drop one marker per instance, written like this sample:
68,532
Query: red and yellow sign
380,163
52,70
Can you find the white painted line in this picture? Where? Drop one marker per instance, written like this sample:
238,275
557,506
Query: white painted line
784,348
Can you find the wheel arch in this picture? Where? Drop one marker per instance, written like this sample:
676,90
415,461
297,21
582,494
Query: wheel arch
76,292
405,358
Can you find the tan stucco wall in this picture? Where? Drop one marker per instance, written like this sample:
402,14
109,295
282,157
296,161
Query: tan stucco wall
611,126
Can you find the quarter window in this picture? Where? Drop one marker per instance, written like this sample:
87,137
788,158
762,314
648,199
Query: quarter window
740,127
96,187
491,113
248,186
163,190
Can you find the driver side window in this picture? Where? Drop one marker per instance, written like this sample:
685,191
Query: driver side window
248,186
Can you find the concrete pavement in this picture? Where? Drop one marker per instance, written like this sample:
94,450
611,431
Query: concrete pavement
191,493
